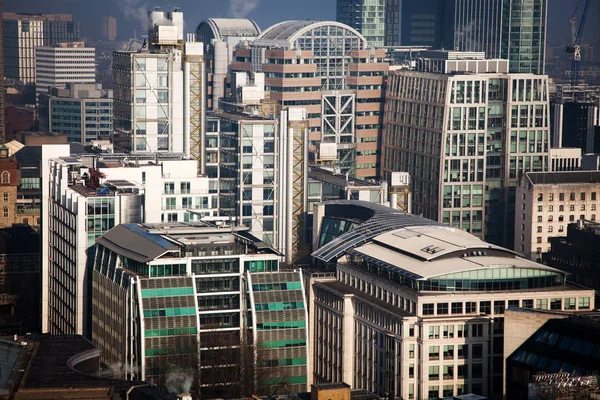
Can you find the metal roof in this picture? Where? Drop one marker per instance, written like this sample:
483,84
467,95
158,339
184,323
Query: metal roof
565,177
376,219
237,27
135,242
285,33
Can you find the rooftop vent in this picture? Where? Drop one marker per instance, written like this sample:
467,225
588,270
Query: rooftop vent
432,249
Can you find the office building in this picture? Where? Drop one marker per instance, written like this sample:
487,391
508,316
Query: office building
565,159
377,21
220,37
206,297
23,33
514,30
109,28
466,138
83,112
551,353
416,309
575,253
327,68
90,194
158,92
63,63
576,124
547,202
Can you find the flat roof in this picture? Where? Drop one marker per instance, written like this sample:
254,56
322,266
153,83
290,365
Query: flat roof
566,177
323,175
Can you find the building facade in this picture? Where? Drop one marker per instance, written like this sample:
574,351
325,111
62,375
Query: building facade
327,68
90,194
210,298
158,92
83,112
378,21
416,309
466,138
63,63
546,203
23,33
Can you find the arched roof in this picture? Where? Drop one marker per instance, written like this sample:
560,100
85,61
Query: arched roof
285,33
226,27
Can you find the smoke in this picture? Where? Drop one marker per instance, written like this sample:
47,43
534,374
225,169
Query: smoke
121,371
135,11
241,8
180,381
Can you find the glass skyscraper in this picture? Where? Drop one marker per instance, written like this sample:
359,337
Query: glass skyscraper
377,20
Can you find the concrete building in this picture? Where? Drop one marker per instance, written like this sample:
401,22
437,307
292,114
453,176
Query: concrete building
220,37
551,352
23,33
327,68
83,112
158,92
63,63
109,28
547,202
416,309
465,130
206,297
565,159
90,194
575,253
378,22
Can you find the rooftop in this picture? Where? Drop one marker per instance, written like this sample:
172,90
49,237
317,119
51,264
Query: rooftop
237,116
237,27
324,175
566,177
285,33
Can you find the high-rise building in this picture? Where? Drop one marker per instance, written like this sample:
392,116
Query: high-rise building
2,111
466,138
509,29
546,203
83,112
63,63
327,68
24,32
206,298
90,194
158,91
378,21
109,28
416,309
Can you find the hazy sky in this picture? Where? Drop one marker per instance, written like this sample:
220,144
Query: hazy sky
130,13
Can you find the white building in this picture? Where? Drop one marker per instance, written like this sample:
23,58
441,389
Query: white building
415,309
547,202
90,194
158,92
58,65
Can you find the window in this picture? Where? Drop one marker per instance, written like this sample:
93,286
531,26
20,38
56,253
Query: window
477,330
448,331
461,351
541,304
539,218
582,207
561,208
561,197
499,306
434,352
540,208
442,308
584,302
461,372
550,208
571,218
593,196
593,207
539,239
433,392
550,228
582,196
470,307
411,350
539,228
551,197
572,196
550,218
5,197
5,212
457,308
411,370
434,373
561,218
570,301
485,307
411,330
555,304
449,352
572,207
449,373
428,309
434,332
476,351
540,197
561,228
462,331
527,303
5,177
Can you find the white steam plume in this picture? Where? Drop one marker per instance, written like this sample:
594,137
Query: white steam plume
135,11
241,8
180,381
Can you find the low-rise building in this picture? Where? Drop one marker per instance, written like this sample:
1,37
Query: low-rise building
416,309
547,202
208,298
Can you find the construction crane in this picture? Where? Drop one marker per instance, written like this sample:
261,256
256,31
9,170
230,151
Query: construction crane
575,47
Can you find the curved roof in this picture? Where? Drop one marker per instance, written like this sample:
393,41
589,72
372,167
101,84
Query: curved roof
373,220
286,32
225,27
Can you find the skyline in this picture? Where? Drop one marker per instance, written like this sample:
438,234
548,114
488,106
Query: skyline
132,13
